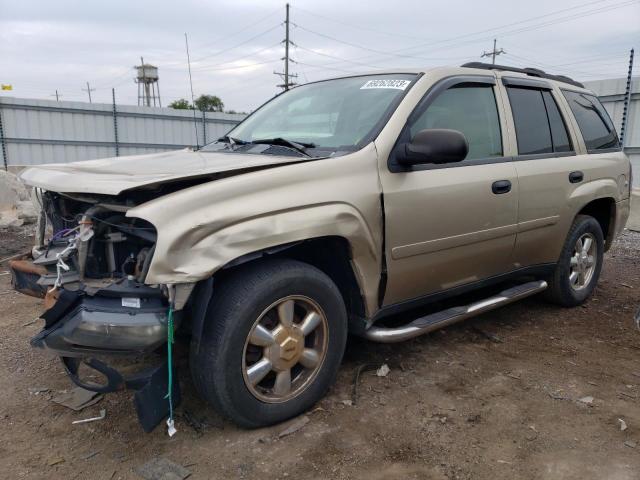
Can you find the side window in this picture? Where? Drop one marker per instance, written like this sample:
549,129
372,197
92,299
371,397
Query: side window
470,109
531,122
559,135
593,120
539,125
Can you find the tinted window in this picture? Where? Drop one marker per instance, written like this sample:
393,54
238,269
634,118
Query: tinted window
470,109
531,122
559,136
593,120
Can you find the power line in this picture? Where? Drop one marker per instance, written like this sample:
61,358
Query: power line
207,67
369,29
508,32
334,57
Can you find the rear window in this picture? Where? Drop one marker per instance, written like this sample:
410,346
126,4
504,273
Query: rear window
594,122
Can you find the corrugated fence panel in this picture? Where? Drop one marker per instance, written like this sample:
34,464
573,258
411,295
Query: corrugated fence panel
45,131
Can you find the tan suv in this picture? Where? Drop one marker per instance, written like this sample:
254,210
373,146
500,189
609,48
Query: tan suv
332,209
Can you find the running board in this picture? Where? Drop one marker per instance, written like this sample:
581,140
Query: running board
437,320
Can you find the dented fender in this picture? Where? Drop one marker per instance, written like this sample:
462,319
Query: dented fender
203,228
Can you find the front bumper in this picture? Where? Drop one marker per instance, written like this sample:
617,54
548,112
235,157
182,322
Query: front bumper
123,318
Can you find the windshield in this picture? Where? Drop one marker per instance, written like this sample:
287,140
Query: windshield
334,115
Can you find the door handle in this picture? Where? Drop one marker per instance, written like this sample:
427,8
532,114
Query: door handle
576,177
501,186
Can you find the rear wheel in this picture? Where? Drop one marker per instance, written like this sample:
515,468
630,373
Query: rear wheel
272,343
580,263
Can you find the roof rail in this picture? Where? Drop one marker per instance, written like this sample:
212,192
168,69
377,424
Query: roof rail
533,72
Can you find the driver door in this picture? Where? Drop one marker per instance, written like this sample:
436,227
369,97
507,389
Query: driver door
453,224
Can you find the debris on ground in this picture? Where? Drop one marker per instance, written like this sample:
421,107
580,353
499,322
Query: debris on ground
90,455
623,425
383,371
102,416
487,335
160,468
356,380
197,424
38,390
294,426
586,400
77,398
630,444
55,461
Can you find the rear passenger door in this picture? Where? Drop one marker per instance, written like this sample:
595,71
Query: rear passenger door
550,167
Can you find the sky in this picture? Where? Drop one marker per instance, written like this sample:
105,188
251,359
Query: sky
236,45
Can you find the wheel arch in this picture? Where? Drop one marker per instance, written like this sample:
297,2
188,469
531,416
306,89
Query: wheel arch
604,211
333,255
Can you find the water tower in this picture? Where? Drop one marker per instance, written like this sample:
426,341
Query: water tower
148,86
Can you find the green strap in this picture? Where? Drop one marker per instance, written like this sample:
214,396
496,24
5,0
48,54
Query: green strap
170,360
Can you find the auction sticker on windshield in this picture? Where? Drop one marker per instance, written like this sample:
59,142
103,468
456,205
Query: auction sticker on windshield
397,84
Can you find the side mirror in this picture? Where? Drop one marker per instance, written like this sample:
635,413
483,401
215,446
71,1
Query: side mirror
434,145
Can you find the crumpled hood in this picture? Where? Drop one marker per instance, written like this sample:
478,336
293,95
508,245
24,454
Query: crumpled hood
111,176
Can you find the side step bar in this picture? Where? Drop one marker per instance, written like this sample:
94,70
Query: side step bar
437,320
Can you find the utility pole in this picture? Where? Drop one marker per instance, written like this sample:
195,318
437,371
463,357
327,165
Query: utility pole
88,90
56,95
286,75
627,97
493,53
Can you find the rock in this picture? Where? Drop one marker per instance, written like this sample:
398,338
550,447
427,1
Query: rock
77,398
16,207
630,444
160,468
383,371
294,426
623,425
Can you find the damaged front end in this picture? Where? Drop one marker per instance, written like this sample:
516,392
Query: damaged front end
91,273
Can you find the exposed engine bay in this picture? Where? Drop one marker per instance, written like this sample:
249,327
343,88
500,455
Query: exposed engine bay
89,265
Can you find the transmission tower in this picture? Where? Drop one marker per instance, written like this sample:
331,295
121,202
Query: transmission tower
286,76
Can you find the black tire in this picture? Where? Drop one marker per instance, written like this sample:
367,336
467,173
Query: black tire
218,366
560,290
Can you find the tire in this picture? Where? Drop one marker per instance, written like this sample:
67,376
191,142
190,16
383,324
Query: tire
233,348
563,289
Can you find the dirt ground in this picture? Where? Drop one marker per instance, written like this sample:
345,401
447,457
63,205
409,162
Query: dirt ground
497,397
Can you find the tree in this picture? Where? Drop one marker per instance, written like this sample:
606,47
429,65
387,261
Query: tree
209,103
180,104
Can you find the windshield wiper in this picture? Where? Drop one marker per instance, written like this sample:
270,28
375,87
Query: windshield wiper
298,146
233,140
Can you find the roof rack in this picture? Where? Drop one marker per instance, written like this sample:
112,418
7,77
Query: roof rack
533,72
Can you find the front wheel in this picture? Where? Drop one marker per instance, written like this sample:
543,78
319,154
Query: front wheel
272,343
580,263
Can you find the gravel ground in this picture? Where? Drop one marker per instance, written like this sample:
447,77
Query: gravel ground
496,397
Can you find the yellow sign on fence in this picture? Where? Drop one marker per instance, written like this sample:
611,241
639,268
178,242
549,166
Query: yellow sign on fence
7,87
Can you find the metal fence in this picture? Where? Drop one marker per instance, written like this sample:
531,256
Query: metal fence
44,131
